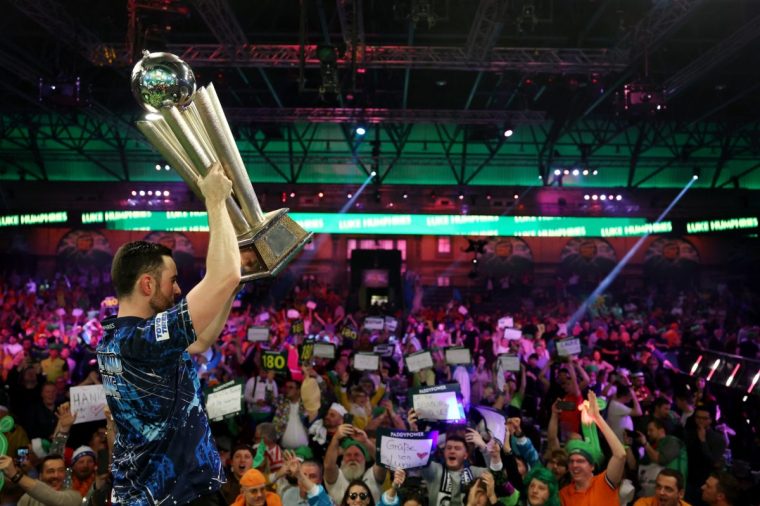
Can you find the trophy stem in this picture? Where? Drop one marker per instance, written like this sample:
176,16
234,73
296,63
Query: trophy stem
224,144
199,155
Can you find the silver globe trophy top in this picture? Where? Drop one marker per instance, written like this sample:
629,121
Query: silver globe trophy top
162,80
188,127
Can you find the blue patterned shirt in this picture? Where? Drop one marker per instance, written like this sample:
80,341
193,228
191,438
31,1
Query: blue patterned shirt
164,452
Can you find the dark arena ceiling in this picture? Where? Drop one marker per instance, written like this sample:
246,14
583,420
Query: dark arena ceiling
435,82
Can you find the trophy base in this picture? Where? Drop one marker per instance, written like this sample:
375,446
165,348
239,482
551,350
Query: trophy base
266,250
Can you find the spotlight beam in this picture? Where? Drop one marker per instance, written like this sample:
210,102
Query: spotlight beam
607,281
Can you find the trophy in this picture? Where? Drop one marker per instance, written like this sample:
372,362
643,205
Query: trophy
189,129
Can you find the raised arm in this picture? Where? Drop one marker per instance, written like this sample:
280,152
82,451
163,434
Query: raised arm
209,301
616,465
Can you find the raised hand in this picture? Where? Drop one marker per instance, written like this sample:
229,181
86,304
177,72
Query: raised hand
473,437
215,186
65,417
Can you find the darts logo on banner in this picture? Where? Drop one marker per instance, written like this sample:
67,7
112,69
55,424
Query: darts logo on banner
85,248
587,256
671,258
506,255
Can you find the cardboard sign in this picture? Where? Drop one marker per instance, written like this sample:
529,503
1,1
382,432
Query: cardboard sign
418,361
366,362
374,323
512,334
88,403
324,350
384,350
509,362
258,334
494,422
456,356
506,322
349,332
438,403
224,401
274,361
307,351
567,347
400,449
297,327
391,324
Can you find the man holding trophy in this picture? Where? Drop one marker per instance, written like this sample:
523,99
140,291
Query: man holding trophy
164,452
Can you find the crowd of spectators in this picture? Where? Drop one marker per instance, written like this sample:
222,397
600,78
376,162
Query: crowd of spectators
623,419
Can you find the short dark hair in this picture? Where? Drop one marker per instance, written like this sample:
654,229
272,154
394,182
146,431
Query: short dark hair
673,473
134,259
48,458
658,424
728,485
661,401
357,483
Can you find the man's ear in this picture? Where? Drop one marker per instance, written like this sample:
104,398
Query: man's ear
145,284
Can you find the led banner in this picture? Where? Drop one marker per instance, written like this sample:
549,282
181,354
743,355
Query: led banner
701,227
399,224
16,220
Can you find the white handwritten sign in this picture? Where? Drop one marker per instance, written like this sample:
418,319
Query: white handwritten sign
88,402
258,334
567,347
512,334
418,361
455,356
438,403
509,362
374,323
494,422
224,400
403,449
366,362
390,324
506,322
324,350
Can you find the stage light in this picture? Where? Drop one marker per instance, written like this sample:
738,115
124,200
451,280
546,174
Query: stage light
405,195
134,193
587,197
373,173
321,194
158,166
349,195
610,197
602,197
576,172
618,197
595,172
516,196
508,132
166,167
474,260
594,197
460,196
360,130
390,204
585,172
557,172
292,195
488,196
166,193
142,193
567,172
695,173
150,193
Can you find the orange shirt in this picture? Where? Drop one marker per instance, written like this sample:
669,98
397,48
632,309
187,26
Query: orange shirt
652,501
599,493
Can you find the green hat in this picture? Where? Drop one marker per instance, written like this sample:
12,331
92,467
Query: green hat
304,453
578,447
349,442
